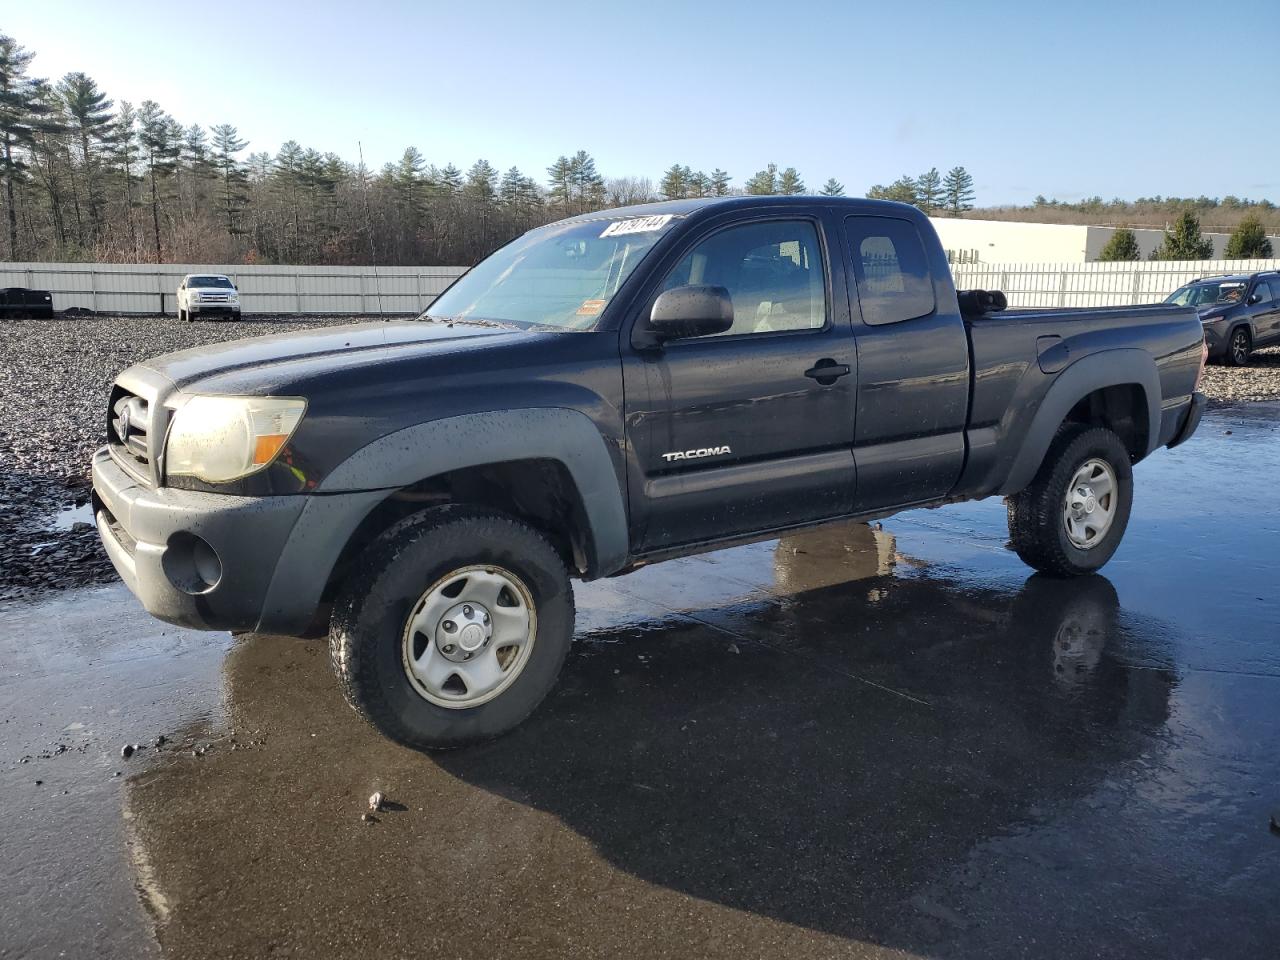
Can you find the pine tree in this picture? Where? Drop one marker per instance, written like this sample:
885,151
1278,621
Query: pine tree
89,114
226,144
1123,246
560,179
719,183
451,179
789,183
699,184
482,182
957,191
587,186
673,185
1185,242
1248,241
929,193
832,188
765,182
21,109
160,155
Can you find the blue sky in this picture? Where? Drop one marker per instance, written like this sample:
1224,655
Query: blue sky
1068,100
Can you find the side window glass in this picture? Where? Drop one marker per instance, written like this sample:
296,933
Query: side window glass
891,268
772,270
1263,291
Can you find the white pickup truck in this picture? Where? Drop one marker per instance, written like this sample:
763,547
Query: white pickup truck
207,293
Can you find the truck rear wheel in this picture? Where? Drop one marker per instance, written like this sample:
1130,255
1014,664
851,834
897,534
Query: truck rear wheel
454,628
1071,517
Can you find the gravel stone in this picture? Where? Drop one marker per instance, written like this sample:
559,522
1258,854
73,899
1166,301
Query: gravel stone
55,376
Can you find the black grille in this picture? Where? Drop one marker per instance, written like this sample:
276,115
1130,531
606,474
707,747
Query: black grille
128,426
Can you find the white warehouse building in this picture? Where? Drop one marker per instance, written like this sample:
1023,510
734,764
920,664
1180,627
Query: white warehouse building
1007,241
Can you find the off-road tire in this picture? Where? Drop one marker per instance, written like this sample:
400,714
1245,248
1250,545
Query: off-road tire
1238,355
1037,532
372,609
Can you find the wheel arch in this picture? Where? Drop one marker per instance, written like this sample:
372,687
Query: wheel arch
1118,389
548,466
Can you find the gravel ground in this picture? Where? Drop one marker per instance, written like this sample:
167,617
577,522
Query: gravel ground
55,376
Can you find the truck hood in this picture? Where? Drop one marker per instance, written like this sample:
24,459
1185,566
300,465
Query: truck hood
338,345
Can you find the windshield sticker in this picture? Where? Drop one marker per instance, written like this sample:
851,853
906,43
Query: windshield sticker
590,308
638,225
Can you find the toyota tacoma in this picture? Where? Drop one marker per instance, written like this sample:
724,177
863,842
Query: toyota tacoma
602,393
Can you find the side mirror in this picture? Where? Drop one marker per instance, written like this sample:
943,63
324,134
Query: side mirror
691,311
1255,298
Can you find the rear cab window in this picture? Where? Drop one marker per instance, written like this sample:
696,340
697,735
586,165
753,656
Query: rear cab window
891,269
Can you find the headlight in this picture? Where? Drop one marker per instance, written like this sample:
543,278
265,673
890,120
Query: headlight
216,439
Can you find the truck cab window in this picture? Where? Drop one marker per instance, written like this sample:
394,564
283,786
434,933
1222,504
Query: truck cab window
889,262
772,270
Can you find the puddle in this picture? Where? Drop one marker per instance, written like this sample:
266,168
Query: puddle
68,517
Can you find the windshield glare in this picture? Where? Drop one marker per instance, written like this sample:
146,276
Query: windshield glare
562,275
1205,294
209,282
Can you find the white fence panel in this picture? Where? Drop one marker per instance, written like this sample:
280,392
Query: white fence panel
1094,284
152,288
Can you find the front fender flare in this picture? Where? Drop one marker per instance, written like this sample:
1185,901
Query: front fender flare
1110,368
476,439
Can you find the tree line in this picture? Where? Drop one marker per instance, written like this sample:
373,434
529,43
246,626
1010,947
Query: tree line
1184,240
88,178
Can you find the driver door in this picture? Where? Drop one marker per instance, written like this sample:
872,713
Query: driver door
742,432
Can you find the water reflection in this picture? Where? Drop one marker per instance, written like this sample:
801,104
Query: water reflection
809,731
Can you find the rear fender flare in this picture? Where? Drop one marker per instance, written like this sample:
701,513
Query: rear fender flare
1111,368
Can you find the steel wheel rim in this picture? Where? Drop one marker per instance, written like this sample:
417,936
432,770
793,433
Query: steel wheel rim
469,636
1089,507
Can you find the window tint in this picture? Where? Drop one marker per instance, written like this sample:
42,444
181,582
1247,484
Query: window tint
1263,292
772,270
891,268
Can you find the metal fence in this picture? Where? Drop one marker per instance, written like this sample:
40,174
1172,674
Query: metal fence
1094,284
152,288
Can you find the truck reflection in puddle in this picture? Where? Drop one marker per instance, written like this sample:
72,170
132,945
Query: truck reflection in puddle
875,724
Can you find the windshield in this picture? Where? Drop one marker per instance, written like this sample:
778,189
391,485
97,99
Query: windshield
1208,293
210,282
562,275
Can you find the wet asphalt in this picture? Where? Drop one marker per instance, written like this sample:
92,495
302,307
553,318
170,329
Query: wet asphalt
855,742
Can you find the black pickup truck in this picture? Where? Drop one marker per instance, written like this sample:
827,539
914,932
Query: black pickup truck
602,393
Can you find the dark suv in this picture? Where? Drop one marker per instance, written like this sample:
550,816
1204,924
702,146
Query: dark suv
1239,313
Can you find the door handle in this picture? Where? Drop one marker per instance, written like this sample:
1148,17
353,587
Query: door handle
826,371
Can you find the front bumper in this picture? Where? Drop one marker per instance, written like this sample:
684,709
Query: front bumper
271,556
223,309
1215,338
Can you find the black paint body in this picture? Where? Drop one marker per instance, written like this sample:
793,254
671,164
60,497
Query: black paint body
935,408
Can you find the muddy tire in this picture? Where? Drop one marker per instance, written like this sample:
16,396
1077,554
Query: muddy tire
453,629
1070,519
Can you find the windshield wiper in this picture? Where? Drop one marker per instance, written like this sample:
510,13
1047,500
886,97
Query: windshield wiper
470,321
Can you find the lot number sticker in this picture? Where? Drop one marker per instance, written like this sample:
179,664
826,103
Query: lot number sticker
639,225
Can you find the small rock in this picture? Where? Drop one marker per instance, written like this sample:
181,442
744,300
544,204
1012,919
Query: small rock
366,818
127,751
116,774
733,648
161,740
40,782
375,802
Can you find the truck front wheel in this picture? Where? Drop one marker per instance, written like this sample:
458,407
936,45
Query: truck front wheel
1071,517
453,629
